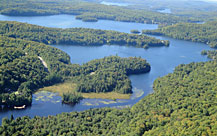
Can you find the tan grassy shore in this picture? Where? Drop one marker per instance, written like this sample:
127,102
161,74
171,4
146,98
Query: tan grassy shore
110,95
60,88
70,87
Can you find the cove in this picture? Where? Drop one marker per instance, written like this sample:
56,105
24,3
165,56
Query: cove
163,60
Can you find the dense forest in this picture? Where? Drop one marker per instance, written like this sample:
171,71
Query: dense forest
17,71
201,9
76,36
86,11
205,33
183,103
212,54
22,72
71,98
110,74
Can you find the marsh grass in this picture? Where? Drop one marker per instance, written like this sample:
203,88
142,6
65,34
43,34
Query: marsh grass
60,88
71,87
111,95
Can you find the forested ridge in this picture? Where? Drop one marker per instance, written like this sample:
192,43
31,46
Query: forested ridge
183,103
76,36
204,33
16,72
86,11
22,72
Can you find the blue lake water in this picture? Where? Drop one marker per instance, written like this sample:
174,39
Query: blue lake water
163,60
168,11
69,21
115,3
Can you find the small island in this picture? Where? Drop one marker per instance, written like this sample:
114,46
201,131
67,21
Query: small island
71,98
134,31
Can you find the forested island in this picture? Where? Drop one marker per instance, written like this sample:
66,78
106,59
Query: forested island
183,103
87,11
76,36
204,33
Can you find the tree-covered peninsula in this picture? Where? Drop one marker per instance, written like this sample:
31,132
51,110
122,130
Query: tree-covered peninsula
204,33
183,103
212,54
110,74
23,70
86,11
76,36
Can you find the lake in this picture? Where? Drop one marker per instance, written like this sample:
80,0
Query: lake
166,10
163,60
69,21
115,3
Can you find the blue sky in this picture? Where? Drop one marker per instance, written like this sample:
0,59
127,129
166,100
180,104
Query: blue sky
210,0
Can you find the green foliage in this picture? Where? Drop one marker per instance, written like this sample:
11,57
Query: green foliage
9,54
71,98
201,10
110,74
89,19
183,103
135,31
85,11
16,70
54,58
212,54
75,36
204,33
22,71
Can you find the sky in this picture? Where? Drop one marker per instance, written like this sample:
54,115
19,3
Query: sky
210,0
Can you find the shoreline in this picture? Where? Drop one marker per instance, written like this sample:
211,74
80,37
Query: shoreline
70,87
